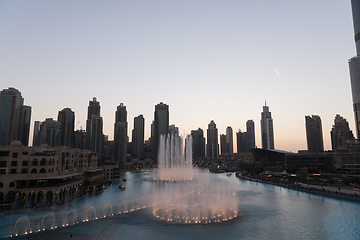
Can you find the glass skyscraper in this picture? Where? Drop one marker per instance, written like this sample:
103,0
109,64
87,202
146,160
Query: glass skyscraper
354,65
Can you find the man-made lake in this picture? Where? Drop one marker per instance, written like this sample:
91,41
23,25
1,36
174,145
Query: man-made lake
265,212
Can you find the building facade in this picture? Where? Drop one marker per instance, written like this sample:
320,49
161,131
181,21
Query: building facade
94,128
67,119
120,136
161,126
250,135
229,141
267,130
212,146
14,117
354,66
340,133
50,133
138,137
314,136
241,141
198,143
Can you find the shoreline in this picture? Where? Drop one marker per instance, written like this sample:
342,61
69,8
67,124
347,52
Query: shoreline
327,191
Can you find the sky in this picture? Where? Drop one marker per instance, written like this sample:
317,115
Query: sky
208,60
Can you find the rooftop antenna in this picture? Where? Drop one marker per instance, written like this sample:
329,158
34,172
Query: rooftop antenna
265,103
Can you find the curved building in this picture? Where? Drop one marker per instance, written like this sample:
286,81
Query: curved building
354,65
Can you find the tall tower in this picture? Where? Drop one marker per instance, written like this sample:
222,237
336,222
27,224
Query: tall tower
340,133
161,126
267,131
25,125
67,119
314,135
94,128
138,137
212,146
250,135
12,110
36,136
241,141
198,143
223,144
120,135
229,140
354,65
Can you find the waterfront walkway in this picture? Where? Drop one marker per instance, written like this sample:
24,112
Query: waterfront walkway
347,193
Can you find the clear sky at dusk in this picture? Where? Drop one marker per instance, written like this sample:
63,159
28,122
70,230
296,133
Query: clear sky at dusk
208,60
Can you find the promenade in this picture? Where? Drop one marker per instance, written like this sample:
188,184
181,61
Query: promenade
348,193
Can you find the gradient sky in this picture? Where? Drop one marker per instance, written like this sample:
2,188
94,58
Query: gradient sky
208,60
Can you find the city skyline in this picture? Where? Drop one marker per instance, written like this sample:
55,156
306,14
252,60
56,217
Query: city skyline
207,61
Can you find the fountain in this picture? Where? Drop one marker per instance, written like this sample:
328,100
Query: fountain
188,196
173,164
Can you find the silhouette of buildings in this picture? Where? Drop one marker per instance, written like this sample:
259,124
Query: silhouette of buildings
14,117
241,141
314,136
250,135
94,128
267,130
340,133
212,146
50,132
229,141
120,135
138,137
160,125
223,144
67,119
354,66
198,143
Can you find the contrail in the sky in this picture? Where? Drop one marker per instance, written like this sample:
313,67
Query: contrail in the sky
277,72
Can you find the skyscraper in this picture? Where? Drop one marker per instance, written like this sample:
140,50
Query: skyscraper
94,128
25,125
267,131
229,140
120,135
314,136
241,141
161,126
354,65
138,137
223,144
14,117
250,135
67,119
198,143
340,133
50,132
212,146
36,135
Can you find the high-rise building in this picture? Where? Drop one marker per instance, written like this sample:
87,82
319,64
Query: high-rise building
250,135
67,119
212,146
241,141
120,135
94,128
354,65
229,141
223,144
314,136
36,135
79,139
198,143
267,130
14,117
50,132
161,126
340,133
138,137
25,125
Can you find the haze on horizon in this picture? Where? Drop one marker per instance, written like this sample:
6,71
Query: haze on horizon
208,60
